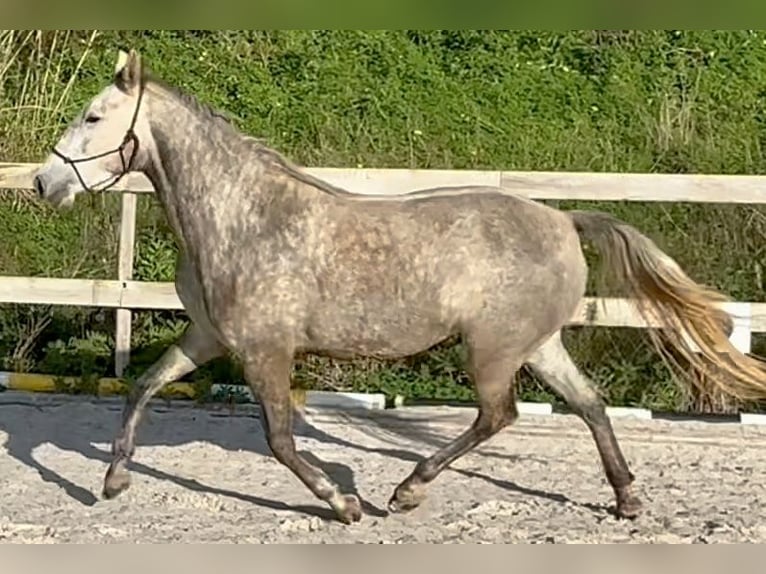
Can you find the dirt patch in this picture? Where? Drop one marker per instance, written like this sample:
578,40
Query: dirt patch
206,475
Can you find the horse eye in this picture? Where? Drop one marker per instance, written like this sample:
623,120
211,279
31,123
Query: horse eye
92,119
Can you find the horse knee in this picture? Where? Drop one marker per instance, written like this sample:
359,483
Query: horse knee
589,407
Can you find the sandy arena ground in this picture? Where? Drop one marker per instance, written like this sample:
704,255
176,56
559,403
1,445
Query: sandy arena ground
206,475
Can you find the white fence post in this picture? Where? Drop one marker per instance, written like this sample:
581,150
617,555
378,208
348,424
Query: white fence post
125,273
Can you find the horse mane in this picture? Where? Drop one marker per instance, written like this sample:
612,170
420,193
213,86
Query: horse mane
265,154
189,100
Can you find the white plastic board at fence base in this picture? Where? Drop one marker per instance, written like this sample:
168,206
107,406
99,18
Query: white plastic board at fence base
752,419
329,399
534,408
741,335
338,399
623,412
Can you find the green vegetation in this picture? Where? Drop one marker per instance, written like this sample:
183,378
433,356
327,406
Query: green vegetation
657,101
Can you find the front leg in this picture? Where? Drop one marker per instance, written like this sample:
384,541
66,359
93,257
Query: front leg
195,348
268,373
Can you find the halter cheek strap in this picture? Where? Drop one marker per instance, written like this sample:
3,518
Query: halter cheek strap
130,136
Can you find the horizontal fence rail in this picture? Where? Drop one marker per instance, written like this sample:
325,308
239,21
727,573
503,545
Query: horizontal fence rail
594,311
536,184
124,294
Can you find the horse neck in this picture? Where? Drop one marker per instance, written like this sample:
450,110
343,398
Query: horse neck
203,171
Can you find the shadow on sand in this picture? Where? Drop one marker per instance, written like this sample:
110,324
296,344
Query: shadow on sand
24,437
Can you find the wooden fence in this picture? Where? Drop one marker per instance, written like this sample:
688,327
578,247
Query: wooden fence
125,295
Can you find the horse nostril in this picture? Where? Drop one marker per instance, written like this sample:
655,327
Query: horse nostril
39,187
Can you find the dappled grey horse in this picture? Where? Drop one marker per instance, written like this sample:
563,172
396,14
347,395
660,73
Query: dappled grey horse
275,263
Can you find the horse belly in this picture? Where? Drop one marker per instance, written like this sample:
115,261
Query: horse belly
375,330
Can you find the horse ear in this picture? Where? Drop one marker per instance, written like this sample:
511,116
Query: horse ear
127,71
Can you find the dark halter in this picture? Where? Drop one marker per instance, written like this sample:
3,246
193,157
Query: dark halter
130,136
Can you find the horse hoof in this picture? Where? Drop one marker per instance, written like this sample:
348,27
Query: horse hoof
351,511
404,500
117,480
398,507
629,508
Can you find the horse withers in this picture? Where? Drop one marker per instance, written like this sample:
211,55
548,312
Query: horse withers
274,262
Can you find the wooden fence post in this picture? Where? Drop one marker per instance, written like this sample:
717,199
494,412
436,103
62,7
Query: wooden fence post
124,273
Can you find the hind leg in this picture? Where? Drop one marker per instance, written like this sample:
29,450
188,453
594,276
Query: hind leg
492,373
193,349
553,363
268,373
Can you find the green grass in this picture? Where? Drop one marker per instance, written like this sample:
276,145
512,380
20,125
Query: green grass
654,101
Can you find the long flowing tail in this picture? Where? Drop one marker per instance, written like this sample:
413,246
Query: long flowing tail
668,298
